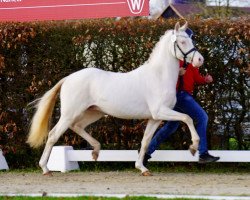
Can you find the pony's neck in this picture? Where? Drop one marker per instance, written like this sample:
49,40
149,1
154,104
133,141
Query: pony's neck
163,59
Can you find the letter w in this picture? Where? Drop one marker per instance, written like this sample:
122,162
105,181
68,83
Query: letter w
135,6
136,3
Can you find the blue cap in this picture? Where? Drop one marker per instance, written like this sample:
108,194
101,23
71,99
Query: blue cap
189,32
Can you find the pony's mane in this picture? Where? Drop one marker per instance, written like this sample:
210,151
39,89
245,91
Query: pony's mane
160,44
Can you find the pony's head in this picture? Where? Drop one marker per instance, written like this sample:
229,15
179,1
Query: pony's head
182,46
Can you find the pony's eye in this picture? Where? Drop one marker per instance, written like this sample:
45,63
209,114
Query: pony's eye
183,42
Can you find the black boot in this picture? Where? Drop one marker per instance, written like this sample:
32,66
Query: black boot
207,158
145,159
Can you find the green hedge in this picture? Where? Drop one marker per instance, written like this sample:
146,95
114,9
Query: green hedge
34,56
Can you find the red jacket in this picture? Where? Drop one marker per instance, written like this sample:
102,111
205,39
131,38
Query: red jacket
191,78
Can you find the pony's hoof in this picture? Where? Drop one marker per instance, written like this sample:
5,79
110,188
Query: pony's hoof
95,155
146,173
192,150
49,173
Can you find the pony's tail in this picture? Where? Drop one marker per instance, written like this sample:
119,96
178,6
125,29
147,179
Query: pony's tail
39,128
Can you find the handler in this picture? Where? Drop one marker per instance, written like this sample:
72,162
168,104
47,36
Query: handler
189,76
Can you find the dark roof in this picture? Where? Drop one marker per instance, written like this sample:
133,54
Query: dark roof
187,9
180,10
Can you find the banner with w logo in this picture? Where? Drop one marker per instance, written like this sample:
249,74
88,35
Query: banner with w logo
30,10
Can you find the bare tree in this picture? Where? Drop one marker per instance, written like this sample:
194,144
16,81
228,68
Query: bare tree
220,8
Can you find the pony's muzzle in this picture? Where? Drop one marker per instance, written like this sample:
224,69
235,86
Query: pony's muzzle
201,60
198,60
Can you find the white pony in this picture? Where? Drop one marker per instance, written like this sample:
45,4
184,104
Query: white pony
148,92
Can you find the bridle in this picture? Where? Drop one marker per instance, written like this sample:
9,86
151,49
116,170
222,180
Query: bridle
184,54
185,64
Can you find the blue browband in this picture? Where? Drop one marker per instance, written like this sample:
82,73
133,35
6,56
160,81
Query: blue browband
189,32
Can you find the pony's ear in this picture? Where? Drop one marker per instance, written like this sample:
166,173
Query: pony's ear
177,27
184,27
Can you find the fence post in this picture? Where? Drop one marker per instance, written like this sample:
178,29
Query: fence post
59,161
3,163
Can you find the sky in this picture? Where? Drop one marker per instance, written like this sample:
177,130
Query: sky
157,7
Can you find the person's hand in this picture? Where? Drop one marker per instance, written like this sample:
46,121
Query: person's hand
208,78
182,71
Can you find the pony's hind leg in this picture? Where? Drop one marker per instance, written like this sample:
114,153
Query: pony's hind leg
54,135
89,117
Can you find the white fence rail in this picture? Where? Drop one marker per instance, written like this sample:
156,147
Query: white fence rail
65,158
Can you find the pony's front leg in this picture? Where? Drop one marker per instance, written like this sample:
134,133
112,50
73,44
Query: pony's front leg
172,115
152,125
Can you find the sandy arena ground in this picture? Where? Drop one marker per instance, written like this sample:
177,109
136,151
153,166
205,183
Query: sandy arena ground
230,184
